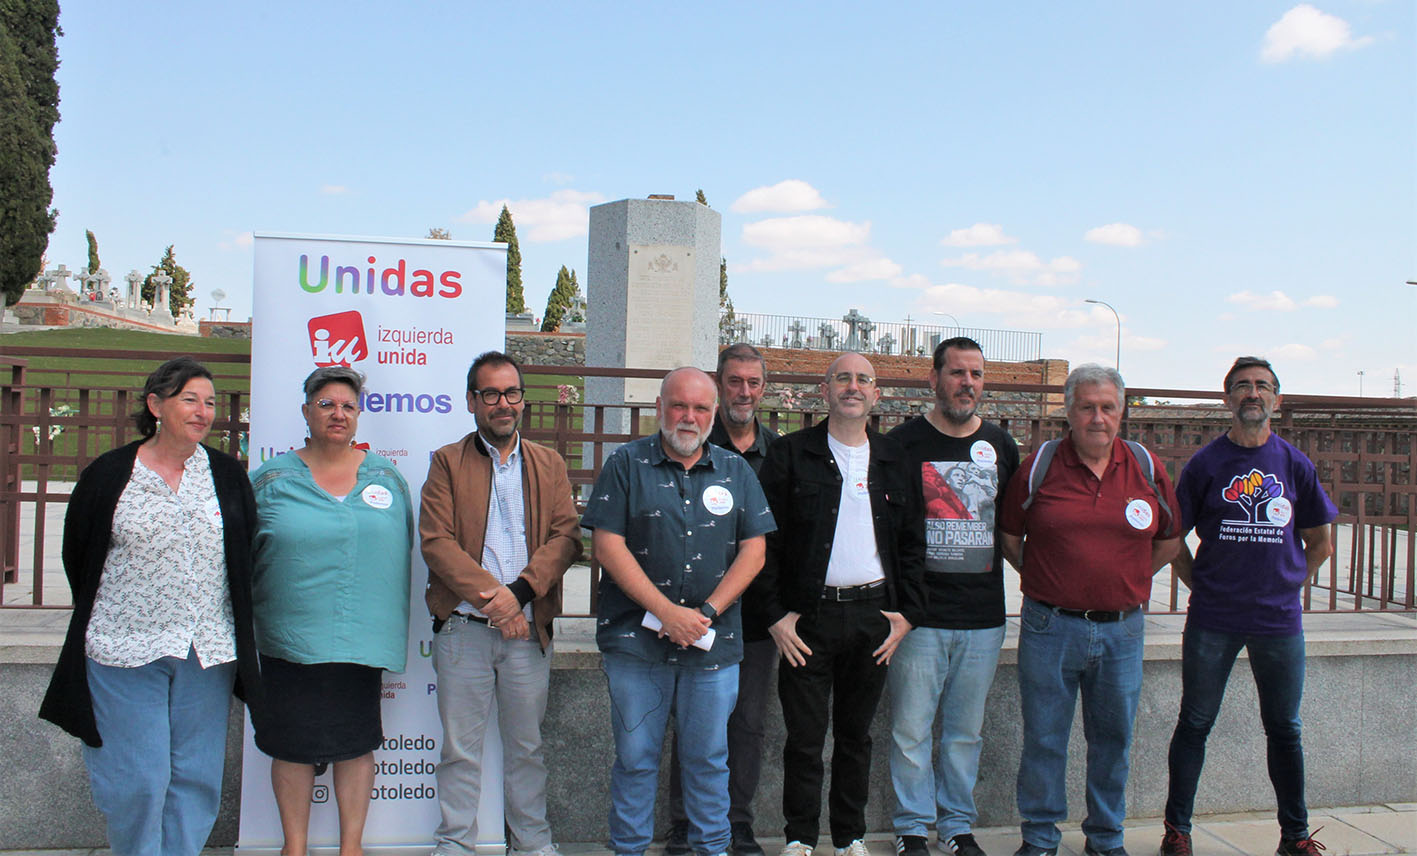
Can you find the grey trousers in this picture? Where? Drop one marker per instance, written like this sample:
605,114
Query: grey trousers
746,727
476,666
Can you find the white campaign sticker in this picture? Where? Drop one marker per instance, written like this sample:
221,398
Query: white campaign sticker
982,452
377,496
718,500
1279,511
213,511
1139,513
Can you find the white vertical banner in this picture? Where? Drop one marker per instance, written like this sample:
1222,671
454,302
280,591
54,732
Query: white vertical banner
411,314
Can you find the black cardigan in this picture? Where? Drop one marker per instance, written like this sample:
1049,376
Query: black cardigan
88,524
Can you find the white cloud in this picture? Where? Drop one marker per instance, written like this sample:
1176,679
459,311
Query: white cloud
333,189
236,240
1293,351
1334,344
1322,301
785,196
557,217
1021,266
1115,234
810,241
1308,33
877,268
808,230
978,235
1017,310
1276,301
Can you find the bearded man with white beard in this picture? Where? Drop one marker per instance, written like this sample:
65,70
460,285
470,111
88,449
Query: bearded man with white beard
679,527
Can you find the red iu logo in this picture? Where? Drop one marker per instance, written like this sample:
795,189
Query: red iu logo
338,340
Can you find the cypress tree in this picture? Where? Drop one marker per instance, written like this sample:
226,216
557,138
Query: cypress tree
506,232
29,107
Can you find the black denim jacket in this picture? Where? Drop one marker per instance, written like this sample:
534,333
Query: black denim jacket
803,486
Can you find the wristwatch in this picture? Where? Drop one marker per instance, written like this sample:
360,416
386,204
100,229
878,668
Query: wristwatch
707,609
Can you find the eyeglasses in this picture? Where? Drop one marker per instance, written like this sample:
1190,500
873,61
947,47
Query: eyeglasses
1248,386
490,396
845,378
326,405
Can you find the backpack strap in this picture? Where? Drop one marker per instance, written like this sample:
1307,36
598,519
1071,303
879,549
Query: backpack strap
1149,468
1040,469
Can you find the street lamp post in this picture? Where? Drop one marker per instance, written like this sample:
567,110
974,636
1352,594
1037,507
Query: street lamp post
947,315
1119,327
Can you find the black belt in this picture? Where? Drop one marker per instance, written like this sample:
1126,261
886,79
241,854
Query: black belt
861,592
1101,616
470,617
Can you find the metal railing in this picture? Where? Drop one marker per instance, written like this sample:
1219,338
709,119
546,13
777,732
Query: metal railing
858,333
1364,450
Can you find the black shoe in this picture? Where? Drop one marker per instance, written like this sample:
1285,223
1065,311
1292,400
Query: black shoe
911,845
677,844
964,845
744,844
1089,850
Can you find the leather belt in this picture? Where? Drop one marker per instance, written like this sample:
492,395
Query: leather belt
468,616
842,594
1100,616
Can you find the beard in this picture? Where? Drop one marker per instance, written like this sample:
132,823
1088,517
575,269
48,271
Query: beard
738,414
1254,413
680,444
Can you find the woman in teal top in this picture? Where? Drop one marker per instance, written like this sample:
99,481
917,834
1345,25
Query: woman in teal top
331,600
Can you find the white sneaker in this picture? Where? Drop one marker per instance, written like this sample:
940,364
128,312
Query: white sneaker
796,848
548,850
855,848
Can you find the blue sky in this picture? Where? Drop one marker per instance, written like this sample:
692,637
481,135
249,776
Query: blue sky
1233,177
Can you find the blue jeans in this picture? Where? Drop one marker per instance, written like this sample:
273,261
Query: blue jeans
157,776
642,694
944,674
1057,655
1277,663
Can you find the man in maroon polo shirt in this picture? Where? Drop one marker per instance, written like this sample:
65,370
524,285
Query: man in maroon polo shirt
1092,534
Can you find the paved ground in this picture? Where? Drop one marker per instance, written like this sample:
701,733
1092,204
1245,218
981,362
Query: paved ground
1357,831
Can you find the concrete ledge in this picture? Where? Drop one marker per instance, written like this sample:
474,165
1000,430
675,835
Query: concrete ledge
1357,717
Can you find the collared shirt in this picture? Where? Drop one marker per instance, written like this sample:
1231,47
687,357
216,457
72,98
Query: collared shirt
683,527
1089,539
504,546
754,454
164,588
331,579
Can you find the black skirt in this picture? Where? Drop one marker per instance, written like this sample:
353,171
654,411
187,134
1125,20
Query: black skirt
319,713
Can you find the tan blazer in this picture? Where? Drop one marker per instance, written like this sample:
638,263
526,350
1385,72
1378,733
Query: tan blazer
453,524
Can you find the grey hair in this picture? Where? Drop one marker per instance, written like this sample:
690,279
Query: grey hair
1089,373
320,378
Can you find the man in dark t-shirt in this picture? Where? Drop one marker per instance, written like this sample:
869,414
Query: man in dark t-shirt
947,663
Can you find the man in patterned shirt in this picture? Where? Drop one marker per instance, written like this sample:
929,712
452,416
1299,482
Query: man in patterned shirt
679,527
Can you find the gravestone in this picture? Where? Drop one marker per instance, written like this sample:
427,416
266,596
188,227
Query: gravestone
651,293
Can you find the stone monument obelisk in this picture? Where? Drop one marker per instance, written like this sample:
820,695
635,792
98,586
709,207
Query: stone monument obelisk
651,293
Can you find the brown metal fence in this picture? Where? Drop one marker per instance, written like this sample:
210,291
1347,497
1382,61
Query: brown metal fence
1363,448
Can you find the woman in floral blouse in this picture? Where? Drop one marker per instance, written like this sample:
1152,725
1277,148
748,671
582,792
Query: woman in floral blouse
157,549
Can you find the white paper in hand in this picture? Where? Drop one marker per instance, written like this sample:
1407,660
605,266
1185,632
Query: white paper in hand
704,642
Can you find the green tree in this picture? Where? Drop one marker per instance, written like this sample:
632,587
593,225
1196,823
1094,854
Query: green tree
438,233
559,301
93,251
29,107
506,232
576,311
726,318
700,198
179,297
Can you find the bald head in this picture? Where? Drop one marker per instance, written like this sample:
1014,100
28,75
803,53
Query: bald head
850,387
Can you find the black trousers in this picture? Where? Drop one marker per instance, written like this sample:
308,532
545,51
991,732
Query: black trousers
840,678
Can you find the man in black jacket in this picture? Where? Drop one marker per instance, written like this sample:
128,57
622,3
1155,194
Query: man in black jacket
841,588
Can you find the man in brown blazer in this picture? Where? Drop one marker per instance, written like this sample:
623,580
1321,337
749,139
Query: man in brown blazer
499,529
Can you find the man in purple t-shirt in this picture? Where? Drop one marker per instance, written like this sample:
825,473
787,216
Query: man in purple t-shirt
1262,517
